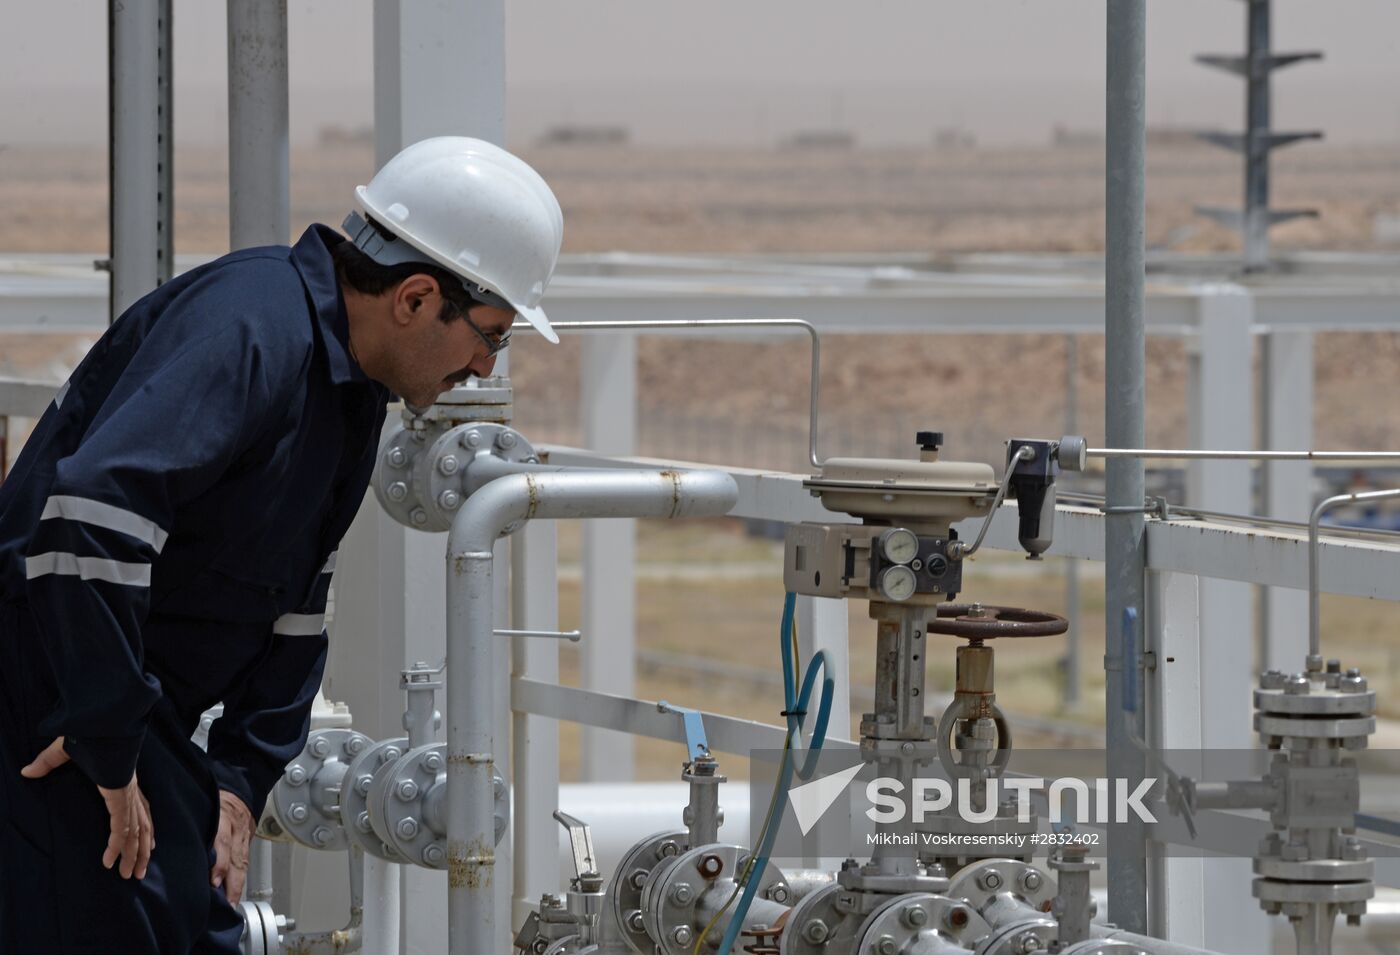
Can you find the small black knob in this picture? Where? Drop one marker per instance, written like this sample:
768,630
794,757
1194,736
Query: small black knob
1334,666
929,440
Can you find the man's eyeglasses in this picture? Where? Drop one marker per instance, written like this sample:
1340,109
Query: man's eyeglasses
494,343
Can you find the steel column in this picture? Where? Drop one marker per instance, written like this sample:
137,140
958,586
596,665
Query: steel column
1173,698
1124,402
1223,418
259,130
439,70
135,64
608,601
1288,490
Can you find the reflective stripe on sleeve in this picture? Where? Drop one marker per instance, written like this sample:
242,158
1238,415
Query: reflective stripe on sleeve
330,563
299,624
88,568
62,393
99,514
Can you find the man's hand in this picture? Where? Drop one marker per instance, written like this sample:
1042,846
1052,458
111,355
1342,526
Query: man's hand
231,846
132,836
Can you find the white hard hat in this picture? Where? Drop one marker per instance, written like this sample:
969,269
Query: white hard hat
472,208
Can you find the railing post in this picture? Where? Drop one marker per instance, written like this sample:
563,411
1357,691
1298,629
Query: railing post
1288,490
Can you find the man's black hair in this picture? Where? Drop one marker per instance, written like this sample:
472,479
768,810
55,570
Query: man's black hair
368,277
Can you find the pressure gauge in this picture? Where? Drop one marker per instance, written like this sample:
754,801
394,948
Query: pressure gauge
898,583
899,545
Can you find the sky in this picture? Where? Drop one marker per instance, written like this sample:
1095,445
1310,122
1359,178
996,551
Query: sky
751,72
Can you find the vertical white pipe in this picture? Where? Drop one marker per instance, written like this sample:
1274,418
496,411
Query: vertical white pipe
381,924
534,581
135,149
259,174
471,650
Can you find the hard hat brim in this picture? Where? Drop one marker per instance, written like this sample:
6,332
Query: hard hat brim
536,317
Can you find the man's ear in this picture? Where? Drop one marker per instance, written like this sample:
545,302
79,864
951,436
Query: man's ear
410,297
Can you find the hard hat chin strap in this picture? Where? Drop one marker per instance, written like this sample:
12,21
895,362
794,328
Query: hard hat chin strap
388,250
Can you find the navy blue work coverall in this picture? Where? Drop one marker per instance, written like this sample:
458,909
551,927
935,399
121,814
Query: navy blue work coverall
166,542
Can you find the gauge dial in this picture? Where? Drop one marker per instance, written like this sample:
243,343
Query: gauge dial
899,545
898,583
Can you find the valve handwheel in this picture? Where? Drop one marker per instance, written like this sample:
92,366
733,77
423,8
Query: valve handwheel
978,622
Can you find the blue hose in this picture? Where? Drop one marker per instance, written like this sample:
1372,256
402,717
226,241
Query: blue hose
795,709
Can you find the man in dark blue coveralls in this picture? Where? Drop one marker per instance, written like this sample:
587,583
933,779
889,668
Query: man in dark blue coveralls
168,534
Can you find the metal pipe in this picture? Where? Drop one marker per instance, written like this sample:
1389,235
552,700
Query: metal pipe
341,940
381,923
1359,457
1314,527
259,173
134,141
674,324
960,551
1125,407
471,648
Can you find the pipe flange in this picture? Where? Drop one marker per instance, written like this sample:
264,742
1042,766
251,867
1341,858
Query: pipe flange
821,923
459,462
261,935
399,459
1312,728
1315,870
1316,700
1282,893
1002,890
407,805
306,800
979,622
671,897
1021,938
926,921
625,892
354,797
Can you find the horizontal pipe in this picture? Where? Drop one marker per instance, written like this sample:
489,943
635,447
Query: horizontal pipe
1314,530
1196,454
471,638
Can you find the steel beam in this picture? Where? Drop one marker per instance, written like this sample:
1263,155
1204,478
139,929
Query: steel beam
608,600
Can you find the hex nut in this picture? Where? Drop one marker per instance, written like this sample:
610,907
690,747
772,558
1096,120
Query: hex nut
682,935
1031,880
1028,943
681,893
397,491
408,828
297,812
433,854
448,465
355,745
636,923
362,822
667,849
990,880
296,775
1271,680
505,440
321,836
472,439
886,945
419,516
778,893
637,879
407,790
815,931
449,500
956,917
319,747
913,916
1297,685
431,762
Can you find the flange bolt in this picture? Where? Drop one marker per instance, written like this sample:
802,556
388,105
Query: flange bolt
407,790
